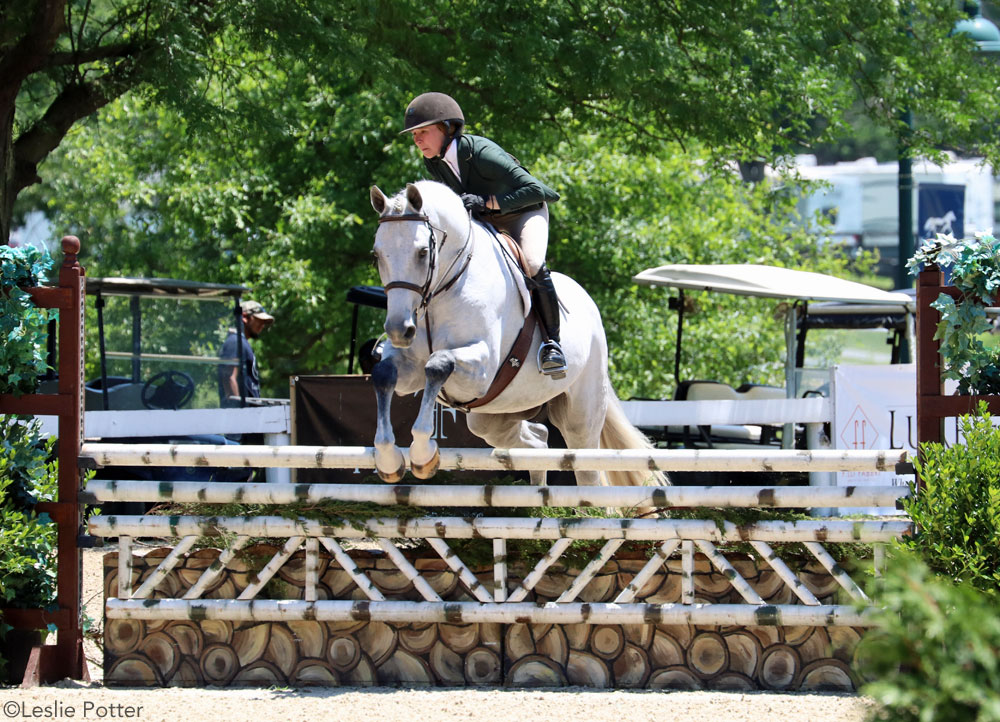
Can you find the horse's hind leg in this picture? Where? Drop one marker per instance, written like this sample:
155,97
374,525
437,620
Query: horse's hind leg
510,431
579,417
389,461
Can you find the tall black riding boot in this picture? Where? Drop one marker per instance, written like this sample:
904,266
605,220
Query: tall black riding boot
551,360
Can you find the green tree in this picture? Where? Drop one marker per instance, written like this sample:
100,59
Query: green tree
245,152
621,214
745,78
62,60
297,228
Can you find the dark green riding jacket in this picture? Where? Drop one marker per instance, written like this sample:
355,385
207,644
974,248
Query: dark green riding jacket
489,170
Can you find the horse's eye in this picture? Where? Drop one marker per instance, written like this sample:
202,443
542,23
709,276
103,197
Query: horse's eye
374,258
422,253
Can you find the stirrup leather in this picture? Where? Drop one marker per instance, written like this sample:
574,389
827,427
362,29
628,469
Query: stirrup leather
557,370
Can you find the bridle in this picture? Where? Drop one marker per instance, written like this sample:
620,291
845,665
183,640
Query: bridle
426,292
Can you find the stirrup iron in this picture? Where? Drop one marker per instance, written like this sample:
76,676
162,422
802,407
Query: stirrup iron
556,372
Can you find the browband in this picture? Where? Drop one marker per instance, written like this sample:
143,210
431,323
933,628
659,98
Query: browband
406,217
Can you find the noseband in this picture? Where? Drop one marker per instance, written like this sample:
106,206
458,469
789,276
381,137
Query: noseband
425,291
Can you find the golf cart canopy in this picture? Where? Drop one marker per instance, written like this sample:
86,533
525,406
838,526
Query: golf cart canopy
749,279
130,391
838,303
162,288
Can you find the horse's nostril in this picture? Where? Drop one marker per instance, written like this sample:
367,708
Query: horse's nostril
410,332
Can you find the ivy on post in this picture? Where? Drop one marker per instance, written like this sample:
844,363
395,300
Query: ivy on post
952,326
38,489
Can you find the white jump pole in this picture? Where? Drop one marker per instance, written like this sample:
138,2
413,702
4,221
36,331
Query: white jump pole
363,457
486,495
508,528
273,610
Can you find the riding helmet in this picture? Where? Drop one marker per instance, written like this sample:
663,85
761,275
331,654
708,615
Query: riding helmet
431,108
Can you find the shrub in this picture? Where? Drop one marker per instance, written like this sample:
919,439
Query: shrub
957,512
27,539
936,653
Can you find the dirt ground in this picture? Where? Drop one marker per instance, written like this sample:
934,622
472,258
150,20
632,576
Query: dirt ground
73,700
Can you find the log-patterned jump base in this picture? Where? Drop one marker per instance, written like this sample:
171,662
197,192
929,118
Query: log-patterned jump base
766,652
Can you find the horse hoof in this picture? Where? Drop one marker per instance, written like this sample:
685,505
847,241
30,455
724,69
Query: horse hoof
393,476
426,471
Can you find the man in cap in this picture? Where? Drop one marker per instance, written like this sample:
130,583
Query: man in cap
255,321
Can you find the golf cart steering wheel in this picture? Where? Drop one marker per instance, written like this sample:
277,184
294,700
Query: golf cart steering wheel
168,390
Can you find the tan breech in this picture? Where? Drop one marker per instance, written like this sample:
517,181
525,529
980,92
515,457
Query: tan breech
531,231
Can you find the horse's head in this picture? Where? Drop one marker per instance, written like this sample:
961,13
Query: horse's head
410,251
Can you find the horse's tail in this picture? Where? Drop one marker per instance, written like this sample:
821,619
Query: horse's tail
619,433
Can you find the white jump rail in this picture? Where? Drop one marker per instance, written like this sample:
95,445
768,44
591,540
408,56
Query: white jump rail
264,610
502,528
487,495
350,457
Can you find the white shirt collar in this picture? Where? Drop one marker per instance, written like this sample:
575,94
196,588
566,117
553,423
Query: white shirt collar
451,158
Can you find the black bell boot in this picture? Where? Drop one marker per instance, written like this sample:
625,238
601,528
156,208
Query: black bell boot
551,360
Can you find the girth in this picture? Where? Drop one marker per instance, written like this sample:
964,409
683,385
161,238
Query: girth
507,371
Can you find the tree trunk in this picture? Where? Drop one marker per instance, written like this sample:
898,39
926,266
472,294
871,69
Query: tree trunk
310,672
18,61
282,650
7,193
586,670
447,665
162,652
420,640
219,664
708,654
779,667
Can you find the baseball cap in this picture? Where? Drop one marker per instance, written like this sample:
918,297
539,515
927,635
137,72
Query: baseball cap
253,308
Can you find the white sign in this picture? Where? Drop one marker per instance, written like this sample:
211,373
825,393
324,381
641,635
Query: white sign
874,407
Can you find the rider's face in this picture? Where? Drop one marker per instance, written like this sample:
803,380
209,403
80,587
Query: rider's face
429,140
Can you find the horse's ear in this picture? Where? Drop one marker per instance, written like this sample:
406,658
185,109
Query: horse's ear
379,201
413,197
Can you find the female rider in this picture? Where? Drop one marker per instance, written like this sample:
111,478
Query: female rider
495,188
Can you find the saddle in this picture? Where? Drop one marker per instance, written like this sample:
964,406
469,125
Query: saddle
515,260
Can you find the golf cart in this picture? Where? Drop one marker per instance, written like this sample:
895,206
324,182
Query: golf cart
715,414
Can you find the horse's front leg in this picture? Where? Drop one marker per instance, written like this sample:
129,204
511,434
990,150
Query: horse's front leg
424,455
465,367
389,461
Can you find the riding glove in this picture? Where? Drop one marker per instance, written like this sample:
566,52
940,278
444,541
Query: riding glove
474,203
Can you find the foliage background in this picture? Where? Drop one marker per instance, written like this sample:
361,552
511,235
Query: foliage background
298,232
235,142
